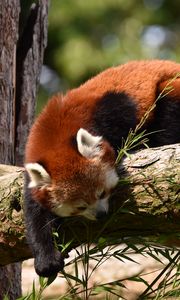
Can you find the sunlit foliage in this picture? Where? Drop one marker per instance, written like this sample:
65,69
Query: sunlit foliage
86,37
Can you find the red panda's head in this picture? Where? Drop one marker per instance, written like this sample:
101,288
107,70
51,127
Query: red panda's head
79,184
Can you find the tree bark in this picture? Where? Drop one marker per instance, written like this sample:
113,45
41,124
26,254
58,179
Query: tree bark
146,203
9,22
21,59
30,54
10,276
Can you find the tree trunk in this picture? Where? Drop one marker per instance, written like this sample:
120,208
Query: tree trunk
21,59
9,22
146,204
10,276
30,54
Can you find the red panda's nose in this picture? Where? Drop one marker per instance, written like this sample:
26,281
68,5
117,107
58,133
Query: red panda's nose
102,208
101,214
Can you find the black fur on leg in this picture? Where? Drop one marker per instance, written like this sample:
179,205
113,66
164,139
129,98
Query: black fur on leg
39,223
48,264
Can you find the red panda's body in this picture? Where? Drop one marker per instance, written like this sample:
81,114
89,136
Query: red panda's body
72,147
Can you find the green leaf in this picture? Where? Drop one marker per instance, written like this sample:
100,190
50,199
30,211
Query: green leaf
33,291
74,278
51,279
42,281
55,234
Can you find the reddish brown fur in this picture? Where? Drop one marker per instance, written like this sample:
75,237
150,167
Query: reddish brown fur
49,139
139,79
174,91
40,194
44,143
81,184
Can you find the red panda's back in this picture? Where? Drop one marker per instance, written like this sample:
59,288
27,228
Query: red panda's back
139,79
64,115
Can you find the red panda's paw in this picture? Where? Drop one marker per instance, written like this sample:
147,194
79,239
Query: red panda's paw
48,266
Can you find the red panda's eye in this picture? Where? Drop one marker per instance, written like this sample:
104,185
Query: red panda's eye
102,195
81,208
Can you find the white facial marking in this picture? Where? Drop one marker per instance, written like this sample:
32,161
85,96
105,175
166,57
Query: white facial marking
38,175
89,213
88,144
111,179
63,210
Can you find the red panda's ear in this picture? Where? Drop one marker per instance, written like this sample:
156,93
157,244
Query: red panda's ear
38,175
88,144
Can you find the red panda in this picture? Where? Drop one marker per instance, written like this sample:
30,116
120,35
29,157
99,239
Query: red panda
72,146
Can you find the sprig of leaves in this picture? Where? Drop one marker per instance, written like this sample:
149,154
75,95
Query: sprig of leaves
136,138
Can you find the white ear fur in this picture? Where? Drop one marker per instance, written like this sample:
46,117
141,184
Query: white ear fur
88,144
38,175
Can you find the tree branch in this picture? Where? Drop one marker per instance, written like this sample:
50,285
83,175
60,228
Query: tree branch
146,203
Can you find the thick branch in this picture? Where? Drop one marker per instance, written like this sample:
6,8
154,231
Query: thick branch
146,203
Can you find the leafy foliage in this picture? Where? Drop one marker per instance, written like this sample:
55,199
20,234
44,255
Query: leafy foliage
90,257
88,36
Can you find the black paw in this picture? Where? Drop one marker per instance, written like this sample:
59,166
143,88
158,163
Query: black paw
48,266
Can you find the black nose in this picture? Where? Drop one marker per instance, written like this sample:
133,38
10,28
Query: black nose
101,214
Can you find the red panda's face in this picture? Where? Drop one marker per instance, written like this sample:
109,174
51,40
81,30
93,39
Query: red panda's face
84,193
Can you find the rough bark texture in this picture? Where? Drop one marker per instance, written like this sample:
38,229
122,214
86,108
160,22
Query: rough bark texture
30,53
21,59
10,276
146,203
9,20
11,214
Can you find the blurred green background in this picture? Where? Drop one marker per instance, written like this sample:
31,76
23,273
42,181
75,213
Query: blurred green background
87,36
